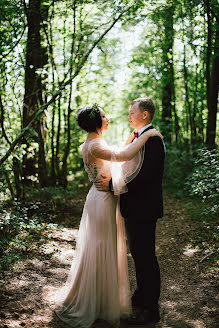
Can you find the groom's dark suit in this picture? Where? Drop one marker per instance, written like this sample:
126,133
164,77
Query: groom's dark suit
141,206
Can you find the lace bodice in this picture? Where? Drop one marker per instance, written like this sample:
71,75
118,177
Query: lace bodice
97,167
120,163
92,171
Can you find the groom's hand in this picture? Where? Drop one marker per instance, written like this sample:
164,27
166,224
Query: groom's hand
102,183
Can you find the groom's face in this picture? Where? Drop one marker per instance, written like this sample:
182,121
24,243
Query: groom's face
136,117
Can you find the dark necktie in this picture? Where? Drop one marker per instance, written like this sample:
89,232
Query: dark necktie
135,134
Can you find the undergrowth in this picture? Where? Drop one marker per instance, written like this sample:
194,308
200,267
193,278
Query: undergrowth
193,177
25,225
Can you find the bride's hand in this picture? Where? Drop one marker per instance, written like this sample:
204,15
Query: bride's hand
154,133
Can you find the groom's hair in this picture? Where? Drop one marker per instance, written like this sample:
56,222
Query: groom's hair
145,104
89,119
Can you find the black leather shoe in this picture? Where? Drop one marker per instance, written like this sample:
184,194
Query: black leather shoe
144,317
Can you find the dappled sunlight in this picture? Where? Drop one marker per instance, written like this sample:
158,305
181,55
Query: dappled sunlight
187,298
175,288
189,250
66,234
196,323
178,318
49,295
170,305
59,56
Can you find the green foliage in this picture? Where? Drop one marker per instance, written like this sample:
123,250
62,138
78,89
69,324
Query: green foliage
12,24
192,176
204,180
25,226
22,232
179,164
194,171
128,63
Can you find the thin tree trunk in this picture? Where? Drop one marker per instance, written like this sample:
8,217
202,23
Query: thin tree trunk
36,58
57,156
2,122
63,175
189,127
49,36
17,178
202,107
208,55
187,96
176,119
195,104
9,184
167,74
213,91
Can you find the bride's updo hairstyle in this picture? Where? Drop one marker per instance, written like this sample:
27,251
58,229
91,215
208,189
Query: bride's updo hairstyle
89,118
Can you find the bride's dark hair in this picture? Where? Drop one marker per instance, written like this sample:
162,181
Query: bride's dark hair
89,118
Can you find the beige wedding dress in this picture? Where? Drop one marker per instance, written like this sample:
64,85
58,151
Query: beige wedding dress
97,286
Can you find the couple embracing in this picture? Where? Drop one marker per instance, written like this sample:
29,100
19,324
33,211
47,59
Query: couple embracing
97,286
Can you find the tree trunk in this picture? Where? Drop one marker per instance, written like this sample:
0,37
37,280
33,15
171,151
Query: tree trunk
9,184
57,155
188,107
17,180
36,58
176,119
212,88
63,175
167,87
195,104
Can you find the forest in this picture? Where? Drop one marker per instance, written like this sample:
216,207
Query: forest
57,56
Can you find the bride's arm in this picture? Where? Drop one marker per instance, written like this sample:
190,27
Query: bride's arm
125,154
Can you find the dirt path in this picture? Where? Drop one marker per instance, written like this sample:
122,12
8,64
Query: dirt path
188,296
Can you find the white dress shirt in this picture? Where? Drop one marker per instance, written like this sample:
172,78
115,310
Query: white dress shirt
144,128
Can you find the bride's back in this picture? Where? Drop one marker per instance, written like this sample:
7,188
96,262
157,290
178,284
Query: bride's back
94,166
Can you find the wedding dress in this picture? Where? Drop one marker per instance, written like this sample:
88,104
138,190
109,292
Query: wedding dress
97,286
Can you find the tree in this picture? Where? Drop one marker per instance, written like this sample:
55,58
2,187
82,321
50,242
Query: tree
212,75
167,71
87,40
36,59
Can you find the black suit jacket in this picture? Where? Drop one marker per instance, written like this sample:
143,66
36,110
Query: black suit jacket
144,199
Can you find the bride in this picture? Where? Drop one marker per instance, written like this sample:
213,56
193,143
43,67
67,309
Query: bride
97,286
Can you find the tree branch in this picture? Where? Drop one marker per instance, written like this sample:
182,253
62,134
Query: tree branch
15,44
62,87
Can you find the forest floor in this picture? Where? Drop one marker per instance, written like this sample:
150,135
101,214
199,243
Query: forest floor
188,298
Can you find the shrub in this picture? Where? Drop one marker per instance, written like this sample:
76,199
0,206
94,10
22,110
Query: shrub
204,180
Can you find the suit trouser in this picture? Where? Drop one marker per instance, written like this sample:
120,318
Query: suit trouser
141,238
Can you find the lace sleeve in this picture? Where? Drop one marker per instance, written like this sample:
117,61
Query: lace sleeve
122,169
117,154
126,160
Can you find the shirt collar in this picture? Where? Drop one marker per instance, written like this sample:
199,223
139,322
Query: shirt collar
144,128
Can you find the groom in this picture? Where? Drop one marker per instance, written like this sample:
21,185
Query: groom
141,206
